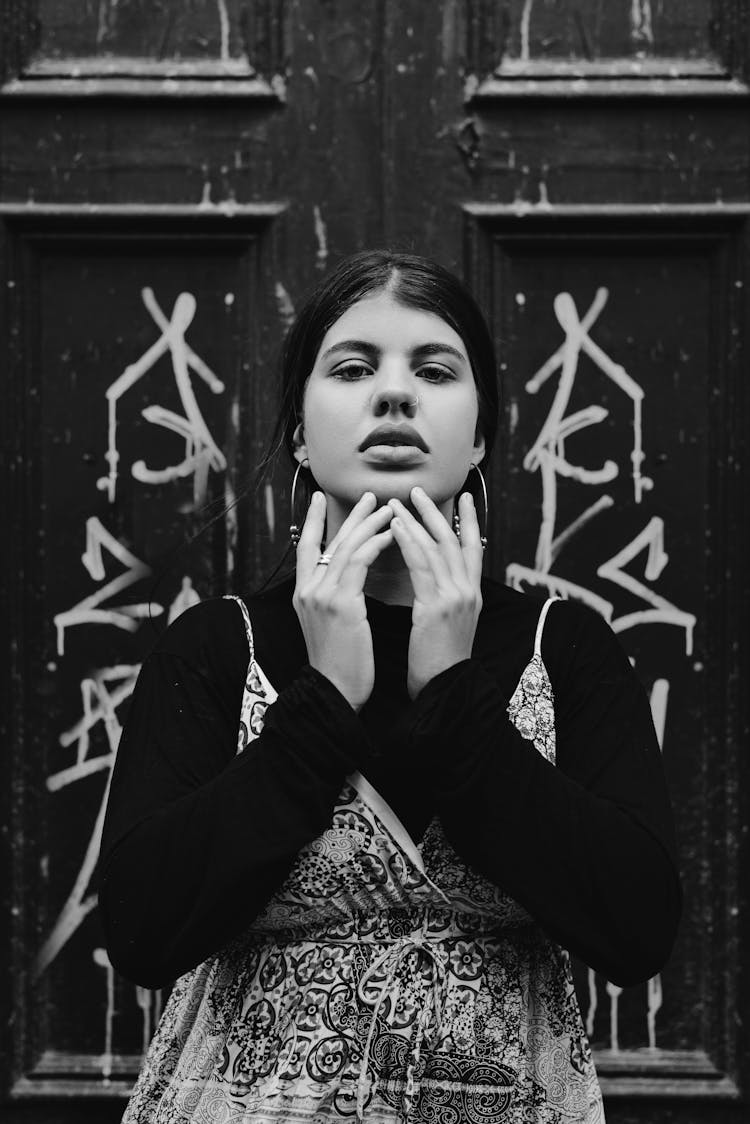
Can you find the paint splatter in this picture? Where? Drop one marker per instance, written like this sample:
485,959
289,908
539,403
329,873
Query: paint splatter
224,30
525,28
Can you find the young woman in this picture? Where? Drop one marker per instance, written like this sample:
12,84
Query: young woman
361,816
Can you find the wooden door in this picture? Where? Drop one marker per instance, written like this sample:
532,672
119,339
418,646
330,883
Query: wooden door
172,179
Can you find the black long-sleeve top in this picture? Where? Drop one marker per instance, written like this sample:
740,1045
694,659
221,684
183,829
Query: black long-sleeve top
197,838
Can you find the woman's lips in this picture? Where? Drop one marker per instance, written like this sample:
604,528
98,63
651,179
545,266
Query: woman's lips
394,435
395,456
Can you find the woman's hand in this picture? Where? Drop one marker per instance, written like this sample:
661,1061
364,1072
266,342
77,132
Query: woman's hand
445,575
329,600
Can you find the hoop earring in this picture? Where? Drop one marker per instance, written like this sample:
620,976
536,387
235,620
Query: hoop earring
294,531
457,520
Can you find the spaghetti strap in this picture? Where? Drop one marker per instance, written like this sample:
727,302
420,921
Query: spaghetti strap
540,625
257,685
246,618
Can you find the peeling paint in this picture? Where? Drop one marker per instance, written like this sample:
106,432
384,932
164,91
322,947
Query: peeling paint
278,85
468,138
449,35
321,235
284,304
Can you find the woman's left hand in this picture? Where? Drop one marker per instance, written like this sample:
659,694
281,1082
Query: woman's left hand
445,575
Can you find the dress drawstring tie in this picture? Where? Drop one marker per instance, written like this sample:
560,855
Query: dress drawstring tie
391,959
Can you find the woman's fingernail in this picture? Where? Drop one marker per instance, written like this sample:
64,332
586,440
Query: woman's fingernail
396,522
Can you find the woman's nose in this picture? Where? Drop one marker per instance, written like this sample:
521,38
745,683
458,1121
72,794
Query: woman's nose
395,399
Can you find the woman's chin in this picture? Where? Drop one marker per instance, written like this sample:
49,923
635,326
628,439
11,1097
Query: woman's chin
391,486
395,490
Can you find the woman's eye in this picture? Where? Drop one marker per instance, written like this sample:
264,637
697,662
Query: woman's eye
351,371
436,374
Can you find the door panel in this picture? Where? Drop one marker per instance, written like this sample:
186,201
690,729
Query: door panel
144,328
169,189
611,489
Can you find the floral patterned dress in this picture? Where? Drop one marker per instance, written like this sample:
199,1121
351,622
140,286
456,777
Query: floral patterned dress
386,981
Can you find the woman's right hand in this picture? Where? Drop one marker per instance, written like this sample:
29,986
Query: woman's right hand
329,600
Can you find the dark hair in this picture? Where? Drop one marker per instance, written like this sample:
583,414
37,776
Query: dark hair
412,281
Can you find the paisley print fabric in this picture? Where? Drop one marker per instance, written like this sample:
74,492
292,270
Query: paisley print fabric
385,981
532,708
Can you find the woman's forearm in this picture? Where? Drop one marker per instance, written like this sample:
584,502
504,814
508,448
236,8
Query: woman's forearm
194,870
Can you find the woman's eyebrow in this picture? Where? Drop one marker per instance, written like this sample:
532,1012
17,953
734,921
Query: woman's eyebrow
426,349
368,349
373,352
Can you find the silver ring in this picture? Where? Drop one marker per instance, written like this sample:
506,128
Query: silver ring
323,560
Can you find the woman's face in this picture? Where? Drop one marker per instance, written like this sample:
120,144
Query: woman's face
391,402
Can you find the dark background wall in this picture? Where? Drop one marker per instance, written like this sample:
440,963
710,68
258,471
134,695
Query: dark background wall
173,178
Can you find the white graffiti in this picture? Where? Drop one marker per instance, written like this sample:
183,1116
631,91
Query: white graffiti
658,699
150,1003
519,576
91,609
654,999
549,457
101,695
641,26
201,451
270,508
224,25
95,736
101,959
548,451
651,538
187,597
524,29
